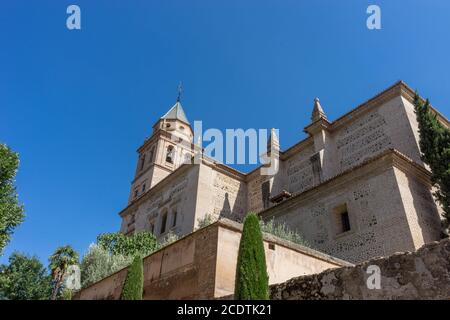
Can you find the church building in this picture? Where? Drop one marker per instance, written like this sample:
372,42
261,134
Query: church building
355,188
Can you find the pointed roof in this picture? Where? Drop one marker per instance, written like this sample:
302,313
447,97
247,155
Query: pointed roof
176,113
318,112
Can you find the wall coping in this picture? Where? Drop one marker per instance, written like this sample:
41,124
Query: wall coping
236,226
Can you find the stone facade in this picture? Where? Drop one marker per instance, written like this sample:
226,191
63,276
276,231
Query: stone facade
378,227
202,265
423,274
356,187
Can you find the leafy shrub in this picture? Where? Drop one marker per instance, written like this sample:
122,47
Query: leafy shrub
169,238
98,263
281,230
205,221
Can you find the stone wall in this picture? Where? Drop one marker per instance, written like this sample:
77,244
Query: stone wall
423,274
221,194
175,195
202,266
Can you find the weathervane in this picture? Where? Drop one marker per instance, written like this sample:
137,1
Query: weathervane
180,91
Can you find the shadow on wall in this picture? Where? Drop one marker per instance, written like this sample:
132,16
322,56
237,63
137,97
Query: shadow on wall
238,211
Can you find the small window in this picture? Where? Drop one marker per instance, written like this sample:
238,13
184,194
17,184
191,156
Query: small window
169,154
271,246
345,221
143,187
136,193
342,219
174,219
163,222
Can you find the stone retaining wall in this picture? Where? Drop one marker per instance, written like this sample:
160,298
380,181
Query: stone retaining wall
423,274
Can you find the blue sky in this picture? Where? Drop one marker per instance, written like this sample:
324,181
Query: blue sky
77,104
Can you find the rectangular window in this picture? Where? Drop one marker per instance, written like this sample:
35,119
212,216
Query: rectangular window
341,219
143,187
345,221
163,223
136,193
174,221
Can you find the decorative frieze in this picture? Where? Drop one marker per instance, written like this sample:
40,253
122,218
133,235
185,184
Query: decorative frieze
361,140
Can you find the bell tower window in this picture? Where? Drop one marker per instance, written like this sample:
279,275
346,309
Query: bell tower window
142,162
169,154
150,155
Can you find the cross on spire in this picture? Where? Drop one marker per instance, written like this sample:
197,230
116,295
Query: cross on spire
180,91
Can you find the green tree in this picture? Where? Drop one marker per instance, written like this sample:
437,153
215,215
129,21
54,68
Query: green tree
98,263
140,243
252,281
59,262
11,212
435,147
24,278
134,283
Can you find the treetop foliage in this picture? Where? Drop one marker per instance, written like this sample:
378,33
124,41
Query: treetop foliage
435,148
11,211
140,243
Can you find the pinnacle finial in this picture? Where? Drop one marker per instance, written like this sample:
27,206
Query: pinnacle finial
318,112
273,141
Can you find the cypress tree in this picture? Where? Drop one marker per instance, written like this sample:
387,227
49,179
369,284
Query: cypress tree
435,147
252,281
134,282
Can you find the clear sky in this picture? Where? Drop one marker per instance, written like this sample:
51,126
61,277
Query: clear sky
77,104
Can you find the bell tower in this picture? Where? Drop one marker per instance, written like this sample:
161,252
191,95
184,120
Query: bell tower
165,150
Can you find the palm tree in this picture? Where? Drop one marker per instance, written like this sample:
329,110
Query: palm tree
60,260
